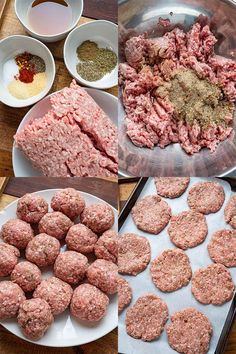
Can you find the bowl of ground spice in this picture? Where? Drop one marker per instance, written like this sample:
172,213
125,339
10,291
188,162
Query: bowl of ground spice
90,54
27,71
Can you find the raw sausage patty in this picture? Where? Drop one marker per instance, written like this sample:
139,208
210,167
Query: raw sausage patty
171,187
206,197
230,211
146,319
222,247
212,285
134,254
171,270
188,229
151,214
124,293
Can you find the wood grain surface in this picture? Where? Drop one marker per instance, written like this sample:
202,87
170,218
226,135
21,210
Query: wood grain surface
107,189
10,118
125,190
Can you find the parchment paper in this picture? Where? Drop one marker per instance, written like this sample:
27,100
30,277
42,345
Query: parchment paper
182,298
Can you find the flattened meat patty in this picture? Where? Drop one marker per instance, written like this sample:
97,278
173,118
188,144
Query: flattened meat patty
171,270
146,319
230,211
187,229
190,332
124,293
171,187
222,247
134,254
206,197
151,214
212,285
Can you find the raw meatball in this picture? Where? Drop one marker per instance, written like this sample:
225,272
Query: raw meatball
206,197
71,267
230,211
189,332
81,239
11,296
107,246
98,217
56,292
55,224
69,201
89,303
146,319
17,233
43,250
134,254
171,187
213,285
222,247
103,274
8,259
31,208
151,214
171,270
124,293
34,318
27,275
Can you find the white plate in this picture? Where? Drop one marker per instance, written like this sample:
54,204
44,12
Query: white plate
21,165
67,330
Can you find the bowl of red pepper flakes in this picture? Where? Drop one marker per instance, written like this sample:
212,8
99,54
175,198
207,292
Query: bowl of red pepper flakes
28,71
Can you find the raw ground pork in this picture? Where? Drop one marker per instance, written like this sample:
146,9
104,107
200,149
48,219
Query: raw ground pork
150,63
75,138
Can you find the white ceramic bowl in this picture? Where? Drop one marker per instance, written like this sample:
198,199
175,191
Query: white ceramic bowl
105,34
21,9
9,48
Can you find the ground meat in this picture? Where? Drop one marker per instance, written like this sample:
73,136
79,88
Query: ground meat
27,275
42,250
8,258
222,247
212,285
81,239
103,274
11,296
171,187
171,270
134,253
56,292
151,214
17,233
230,211
190,332
107,246
31,208
98,217
188,229
34,318
71,267
124,293
68,201
146,319
55,224
89,303
206,197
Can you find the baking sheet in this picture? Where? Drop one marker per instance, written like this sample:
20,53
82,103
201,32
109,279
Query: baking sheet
182,298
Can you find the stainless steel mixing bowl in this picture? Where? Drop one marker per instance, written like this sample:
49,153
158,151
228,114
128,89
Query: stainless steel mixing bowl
137,16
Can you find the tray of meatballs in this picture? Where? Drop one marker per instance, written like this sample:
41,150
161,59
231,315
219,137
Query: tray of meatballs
177,259
58,267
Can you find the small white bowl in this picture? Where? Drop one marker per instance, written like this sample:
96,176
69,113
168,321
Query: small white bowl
9,48
22,7
105,34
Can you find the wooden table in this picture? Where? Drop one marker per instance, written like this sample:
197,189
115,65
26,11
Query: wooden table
10,118
16,187
125,190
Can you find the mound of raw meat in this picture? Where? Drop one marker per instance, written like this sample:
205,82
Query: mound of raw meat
151,66
75,138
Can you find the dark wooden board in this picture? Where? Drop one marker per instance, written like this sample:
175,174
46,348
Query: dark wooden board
95,9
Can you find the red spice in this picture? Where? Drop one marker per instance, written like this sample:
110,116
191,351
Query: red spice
26,76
